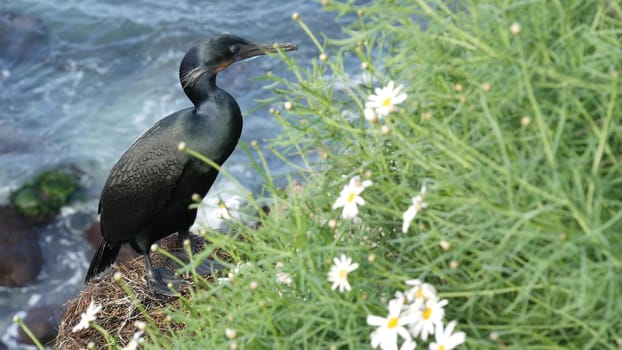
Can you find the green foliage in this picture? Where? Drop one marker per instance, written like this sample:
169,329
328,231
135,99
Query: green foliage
56,186
42,199
517,136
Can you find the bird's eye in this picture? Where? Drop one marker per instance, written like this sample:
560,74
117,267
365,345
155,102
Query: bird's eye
234,49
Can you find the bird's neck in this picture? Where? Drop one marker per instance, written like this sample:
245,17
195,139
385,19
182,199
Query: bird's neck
216,115
200,89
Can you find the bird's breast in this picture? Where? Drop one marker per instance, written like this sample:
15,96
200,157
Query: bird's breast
214,135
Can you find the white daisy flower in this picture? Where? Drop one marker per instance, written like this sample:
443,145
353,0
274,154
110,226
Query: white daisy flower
415,207
284,278
427,317
133,343
87,317
445,340
385,336
420,292
338,273
350,198
215,212
222,212
384,100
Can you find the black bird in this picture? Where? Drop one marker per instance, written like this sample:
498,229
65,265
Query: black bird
148,192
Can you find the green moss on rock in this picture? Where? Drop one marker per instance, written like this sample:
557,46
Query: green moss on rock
42,199
56,186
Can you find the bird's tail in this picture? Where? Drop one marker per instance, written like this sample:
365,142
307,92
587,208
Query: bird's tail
104,256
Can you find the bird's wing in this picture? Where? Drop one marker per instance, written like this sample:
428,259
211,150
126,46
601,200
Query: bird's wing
141,183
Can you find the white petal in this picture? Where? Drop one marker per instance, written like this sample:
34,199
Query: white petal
405,226
450,328
389,341
416,282
439,334
396,89
456,339
408,216
416,328
340,202
370,115
374,320
375,339
395,307
349,211
425,330
383,111
403,333
406,319
78,328
399,98
337,260
408,345
345,284
345,260
336,284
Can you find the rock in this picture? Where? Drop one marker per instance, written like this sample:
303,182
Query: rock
94,236
43,323
42,199
20,253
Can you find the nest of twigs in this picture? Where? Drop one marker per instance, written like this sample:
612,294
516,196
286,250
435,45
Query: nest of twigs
119,310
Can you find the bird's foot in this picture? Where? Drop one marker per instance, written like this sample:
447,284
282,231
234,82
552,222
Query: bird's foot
164,282
207,267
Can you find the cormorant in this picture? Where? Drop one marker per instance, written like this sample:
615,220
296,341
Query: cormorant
148,192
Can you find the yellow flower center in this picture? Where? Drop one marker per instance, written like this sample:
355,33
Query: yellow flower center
386,102
343,274
441,347
420,293
427,312
351,197
392,322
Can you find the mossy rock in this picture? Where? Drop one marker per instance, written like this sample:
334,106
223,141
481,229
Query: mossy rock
56,186
42,199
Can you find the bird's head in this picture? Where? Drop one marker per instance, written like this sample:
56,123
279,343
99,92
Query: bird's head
217,53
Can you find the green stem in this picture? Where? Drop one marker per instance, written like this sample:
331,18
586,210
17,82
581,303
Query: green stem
28,332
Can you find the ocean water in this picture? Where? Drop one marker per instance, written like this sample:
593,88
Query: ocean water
80,80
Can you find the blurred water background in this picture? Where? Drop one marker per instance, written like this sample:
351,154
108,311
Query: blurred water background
81,79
